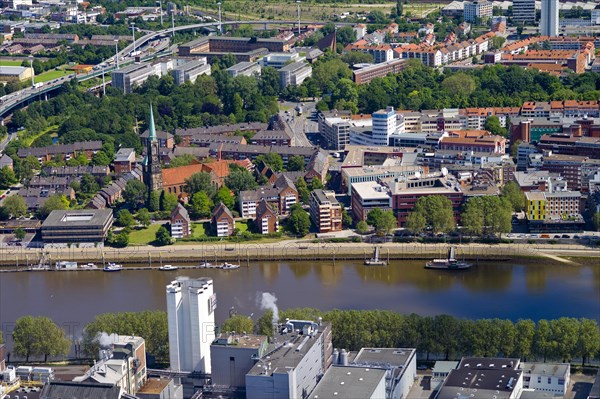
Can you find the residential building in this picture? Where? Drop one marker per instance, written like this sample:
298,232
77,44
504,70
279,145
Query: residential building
367,196
124,160
550,378
83,227
6,162
294,73
334,127
299,355
233,355
122,363
279,60
244,68
266,220
190,313
576,170
181,225
74,172
223,221
243,152
325,211
61,151
483,378
523,12
360,30
571,145
36,197
368,73
281,196
549,19
190,71
272,137
555,209
477,11
318,167
473,140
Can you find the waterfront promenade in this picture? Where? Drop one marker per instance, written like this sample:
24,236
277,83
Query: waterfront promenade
245,253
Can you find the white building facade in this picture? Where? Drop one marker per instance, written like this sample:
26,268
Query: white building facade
384,125
190,313
549,20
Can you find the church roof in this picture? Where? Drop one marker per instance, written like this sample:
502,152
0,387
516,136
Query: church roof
151,127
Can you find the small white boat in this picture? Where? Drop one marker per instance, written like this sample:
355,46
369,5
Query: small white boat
168,268
229,266
207,265
66,265
112,267
375,261
89,266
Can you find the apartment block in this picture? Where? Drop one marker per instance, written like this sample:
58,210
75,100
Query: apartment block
325,211
294,73
190,71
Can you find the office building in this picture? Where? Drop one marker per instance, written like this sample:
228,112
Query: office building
335,131
374,173
189,71
549,19
245,68
83,227
370,72
367,196
384,125
523,12
126,78
325,211
227,44
233,356
294,73
16,73
478,11
279,60
298,357
190,313
547,377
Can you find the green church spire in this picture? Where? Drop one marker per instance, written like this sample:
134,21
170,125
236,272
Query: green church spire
151,128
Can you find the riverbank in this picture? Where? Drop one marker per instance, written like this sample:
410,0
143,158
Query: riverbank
245,253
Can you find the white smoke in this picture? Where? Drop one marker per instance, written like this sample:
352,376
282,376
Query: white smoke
269,301
105,340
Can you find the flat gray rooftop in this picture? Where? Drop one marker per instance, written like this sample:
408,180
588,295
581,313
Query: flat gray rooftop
348,382
384,357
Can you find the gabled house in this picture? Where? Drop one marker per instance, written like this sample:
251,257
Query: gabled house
223,221
266,218
181,225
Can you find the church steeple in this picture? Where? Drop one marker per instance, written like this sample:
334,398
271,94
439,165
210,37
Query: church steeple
151,127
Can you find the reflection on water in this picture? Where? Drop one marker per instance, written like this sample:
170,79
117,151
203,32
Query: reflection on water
491,289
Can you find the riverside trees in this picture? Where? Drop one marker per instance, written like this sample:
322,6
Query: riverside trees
39,336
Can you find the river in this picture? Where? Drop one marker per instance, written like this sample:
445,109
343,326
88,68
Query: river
533,290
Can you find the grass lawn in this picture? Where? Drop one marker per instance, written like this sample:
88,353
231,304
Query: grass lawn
11,62
200,229
144,236
51,75
242,225
28,140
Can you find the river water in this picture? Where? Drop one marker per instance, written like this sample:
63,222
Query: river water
491,289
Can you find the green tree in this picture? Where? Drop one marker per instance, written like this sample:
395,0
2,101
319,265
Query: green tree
437,210
168,201
121,240
357,57
15,206
225,196
459,84
492,124
303,193
542,341
100,159
399,8
264,324
240,180
316,184
152,325
53,203
513,193
163,237
39,336
201,205
125,218
154,204
88,184
182,160
588,342
19,233
565,333
298,221
416,223
524,335
345,35
346,218
295,163
385,223
472,218
7,177
200,182
134,193
272,159
239,324
362,227
143,217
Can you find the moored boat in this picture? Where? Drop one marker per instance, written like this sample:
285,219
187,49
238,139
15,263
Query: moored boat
112,267
168,268
450,263
230,266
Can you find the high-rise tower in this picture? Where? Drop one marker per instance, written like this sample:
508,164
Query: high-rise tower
549,19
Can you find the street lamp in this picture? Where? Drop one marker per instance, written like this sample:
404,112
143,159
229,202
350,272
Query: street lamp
298,3
103,83
220,27
160,12
117,54
173,23
32,71
133,34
